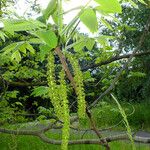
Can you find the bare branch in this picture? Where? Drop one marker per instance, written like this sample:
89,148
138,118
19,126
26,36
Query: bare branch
73,142
112,59
24,84
93,125
65,66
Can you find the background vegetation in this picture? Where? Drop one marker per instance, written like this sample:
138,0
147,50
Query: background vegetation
25,44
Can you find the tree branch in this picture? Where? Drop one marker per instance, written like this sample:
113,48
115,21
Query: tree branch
65,66
39,133
24,84
112,59
93,125
28,132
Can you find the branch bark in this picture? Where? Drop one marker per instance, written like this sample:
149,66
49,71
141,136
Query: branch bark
45,139
25,84
112,59
93,125
65,66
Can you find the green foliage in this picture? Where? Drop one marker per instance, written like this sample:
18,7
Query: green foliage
3,36
82,42
88,17
48,37
44,51
16,48
6,112
106,23
40,91
12,25
134,92
49,9
26,44
111,6
136,74
140,119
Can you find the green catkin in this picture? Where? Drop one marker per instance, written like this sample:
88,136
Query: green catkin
65,108
126,123
53,89
58,96
78,77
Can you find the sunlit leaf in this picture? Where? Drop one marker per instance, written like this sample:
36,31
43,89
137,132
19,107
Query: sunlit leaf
50,9
30,48
21,25
109,6
9,48
40,91
16,55
48,37
22,48
2,36
133,4
142,1
88,17
35,41
78,46
44,50
18,103
106,23
90,43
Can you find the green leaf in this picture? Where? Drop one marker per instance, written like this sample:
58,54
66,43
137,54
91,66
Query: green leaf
18,103
2,36
22,48
106,23
21,25
137,74
30,48
109,6
40,91
87,76
90,43
133,4
78,46
142,1
88,17
9,48
16,48
50,9
55,17
16,55
35,41
44,50
103,41
48,37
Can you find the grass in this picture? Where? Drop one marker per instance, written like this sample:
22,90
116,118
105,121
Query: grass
106,114
9,142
